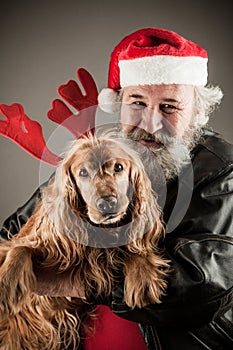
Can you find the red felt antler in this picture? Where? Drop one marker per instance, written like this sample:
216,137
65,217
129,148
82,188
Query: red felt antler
79,124
28,134
25,132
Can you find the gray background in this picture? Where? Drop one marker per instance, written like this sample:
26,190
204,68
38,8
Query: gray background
44,42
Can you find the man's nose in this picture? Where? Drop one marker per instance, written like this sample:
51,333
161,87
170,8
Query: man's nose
151,121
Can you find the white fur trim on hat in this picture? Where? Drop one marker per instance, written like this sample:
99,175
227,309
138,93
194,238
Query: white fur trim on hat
108,100
163,69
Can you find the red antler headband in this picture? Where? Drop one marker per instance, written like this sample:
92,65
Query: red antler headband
27,133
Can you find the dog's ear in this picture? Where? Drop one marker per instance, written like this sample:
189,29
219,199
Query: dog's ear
72,190
68,187
141,189
65,204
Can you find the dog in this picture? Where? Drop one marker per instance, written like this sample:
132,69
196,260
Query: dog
97,218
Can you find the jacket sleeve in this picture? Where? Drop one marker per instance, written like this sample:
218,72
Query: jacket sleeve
15,221
200,285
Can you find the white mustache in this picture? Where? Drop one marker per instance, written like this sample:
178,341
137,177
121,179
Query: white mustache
159,137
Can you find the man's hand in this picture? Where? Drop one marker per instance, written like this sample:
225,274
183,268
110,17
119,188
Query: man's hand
53,283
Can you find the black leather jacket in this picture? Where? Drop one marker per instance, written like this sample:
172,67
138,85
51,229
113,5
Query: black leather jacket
197,312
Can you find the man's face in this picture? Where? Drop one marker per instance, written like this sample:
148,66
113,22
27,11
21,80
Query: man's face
161,117
163,109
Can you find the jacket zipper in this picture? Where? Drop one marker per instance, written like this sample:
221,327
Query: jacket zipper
150,336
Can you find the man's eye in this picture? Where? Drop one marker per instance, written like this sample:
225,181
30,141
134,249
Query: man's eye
138,105
167,108
83,172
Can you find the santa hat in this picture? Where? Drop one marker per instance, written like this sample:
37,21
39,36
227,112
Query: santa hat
153,56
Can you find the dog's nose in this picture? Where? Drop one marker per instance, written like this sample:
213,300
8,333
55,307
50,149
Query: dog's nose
107,204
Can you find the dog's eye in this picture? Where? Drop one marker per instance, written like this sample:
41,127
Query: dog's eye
118,167
83,172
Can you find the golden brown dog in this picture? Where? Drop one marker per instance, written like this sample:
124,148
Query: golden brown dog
97,218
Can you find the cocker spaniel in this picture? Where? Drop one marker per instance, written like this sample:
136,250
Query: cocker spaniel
98,217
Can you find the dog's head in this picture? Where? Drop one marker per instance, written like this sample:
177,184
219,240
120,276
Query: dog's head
105,180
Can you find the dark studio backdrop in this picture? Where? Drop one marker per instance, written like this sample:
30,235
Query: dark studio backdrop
44,42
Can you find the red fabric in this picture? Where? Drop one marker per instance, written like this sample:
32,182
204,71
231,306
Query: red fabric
84,121
150,42
114,333
27,133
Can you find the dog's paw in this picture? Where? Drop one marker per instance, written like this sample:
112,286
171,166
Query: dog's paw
145,281
16,280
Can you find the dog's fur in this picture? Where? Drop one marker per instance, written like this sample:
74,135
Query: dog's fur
97,218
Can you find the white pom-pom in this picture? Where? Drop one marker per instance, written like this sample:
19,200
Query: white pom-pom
108,100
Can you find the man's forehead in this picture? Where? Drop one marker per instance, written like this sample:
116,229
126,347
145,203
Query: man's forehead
167,91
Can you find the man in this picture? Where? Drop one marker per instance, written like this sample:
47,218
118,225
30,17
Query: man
159,78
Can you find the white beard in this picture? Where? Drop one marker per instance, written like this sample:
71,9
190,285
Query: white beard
171,158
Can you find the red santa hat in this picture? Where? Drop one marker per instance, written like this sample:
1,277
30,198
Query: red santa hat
154,56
